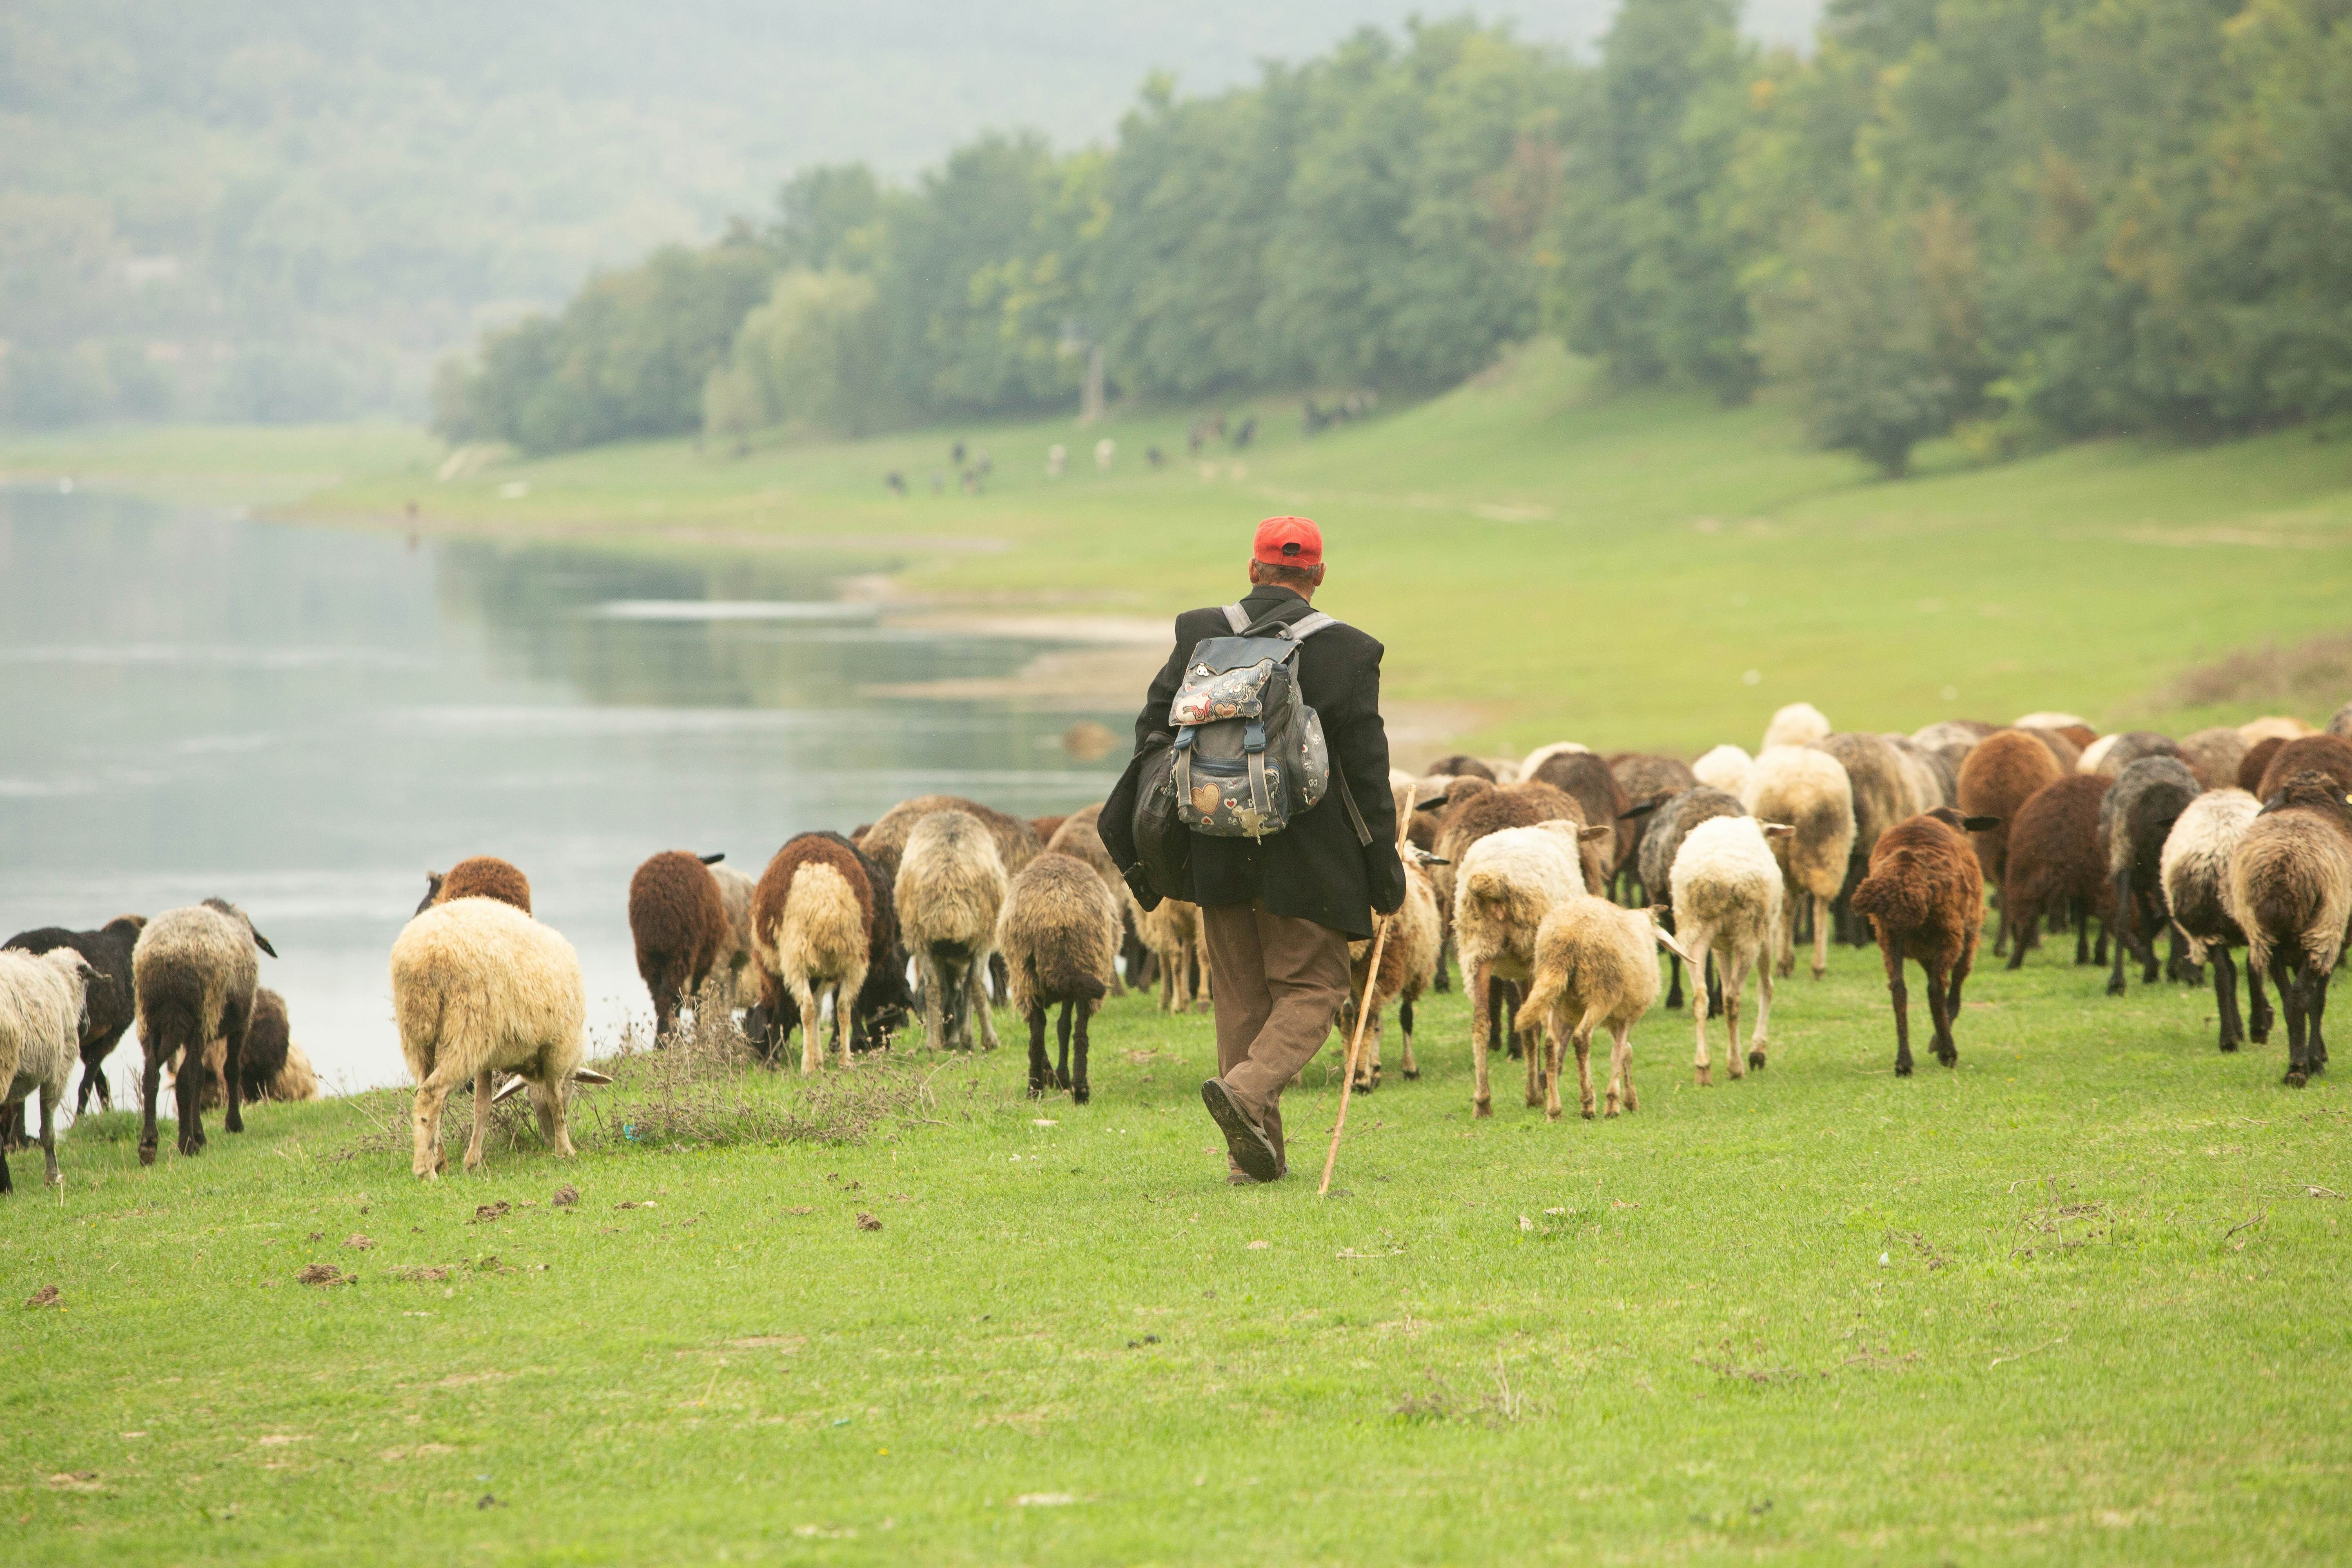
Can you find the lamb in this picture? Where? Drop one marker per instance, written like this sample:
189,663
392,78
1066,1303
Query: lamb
1408,958
677,921
108,992
727,970
2290,890
1885,793
2055,866
1507,882
1807,791
478,877
1476,810
1999,776
2135,819
812,934
1925,894
1727,768
480,987
2195,871
2213,755
885,842
275,1067
1668,825
43,1017
1596,968
951,888
1728,893
193,971
1173,932
1059,933
1797,724
2328,754
1585,779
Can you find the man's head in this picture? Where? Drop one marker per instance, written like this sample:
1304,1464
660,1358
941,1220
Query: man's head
1288,553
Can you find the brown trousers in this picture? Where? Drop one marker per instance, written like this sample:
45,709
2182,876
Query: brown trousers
1279,983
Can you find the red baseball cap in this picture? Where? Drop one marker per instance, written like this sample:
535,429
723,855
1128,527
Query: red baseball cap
1289,542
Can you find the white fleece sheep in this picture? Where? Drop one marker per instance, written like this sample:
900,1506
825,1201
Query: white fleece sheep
728,970
819,945
480,987
1596,968
1728,895
43,1006
951,889
2194,870
1507,882
1797,724
194,971
1727,767
2052,719
1807,790
1407,959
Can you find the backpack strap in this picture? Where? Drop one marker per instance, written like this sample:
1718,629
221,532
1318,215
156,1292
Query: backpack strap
1348,799
1308,625
1237,618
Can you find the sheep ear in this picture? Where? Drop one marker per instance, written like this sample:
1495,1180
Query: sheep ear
512,1088
588,1075
260,941
1776,829
712,860
1644,809
1986,824
1591,835
1434,803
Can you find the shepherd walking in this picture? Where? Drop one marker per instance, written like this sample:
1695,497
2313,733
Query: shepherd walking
1259,791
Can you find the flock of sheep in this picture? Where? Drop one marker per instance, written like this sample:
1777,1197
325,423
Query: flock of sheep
1535,876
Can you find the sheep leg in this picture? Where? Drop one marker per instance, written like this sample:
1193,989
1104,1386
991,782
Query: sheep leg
980,1005
1081,1090
1584,1097
1702,1071
189,1085
1205,993
1940,1010
1902,1001
7,1182
1675,980
1620,1069
1714,989
234,1023
1551,1045
151,1084
934,1002
1735,981
2144,916
2315,1043
1536,1051
2225,1000
2128,937
1062,1033
554,1123
1760,1041
1040,1068
425,1115
846,990
1820,936
1443,979
2080,910
1406,1064
1481,978
485,1083
2290,992
2258,1025
50,1097
804,997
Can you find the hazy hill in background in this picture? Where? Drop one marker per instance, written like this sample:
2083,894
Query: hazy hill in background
280,209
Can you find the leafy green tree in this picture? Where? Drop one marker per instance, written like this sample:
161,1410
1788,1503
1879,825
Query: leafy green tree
808,357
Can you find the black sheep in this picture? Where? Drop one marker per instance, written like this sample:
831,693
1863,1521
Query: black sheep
883,1002
112,1002
2135,818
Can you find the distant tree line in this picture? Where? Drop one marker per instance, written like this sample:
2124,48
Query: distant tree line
2025,222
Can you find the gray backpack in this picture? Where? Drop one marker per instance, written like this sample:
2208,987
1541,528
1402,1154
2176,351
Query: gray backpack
1249,754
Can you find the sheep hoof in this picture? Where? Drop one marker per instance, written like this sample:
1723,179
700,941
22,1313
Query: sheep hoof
2229,1047
2296,1078
1480,1110
1950,1058
146,1153
1821,971
1703,1077
1613,1110
1756,1058
1411,1074
2262,1036
1903,1068
2115,987
1081,1095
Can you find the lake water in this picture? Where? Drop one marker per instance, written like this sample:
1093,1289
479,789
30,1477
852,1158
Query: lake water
304,719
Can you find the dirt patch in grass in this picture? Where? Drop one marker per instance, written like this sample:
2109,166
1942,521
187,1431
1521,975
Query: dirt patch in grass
2314,673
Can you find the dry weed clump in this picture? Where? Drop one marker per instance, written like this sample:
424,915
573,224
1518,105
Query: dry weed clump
2314,672
706,1087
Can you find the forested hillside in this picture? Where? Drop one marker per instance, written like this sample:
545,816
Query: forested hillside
2028,223
281,209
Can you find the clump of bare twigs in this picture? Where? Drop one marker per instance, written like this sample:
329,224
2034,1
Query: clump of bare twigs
2312,672
1498,1405
702,1085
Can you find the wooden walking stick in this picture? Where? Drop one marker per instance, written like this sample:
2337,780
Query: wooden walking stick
1355,1043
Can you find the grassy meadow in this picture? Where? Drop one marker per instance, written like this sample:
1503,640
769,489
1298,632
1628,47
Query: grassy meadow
2077,1299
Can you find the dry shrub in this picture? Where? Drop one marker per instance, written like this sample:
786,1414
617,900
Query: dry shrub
2316,671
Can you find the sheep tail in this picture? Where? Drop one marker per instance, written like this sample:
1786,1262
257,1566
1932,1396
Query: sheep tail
1550,981
1896,894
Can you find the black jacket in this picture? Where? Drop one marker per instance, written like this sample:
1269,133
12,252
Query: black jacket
1315,868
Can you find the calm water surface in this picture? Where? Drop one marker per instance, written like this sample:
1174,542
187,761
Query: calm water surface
304,719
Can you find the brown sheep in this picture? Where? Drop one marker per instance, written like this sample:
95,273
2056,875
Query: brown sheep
2132,745
1885,793
1462,766
1044,828
1059,933
883,843
478,877
2290,890
678,921
2055,866
883,1002
2064,749
2213,755
1925,894
2135,819
2256,762
812,925
272,1066
1999,776
2329,754
1408,958
1668,825
1474,813
1080,835
1586,779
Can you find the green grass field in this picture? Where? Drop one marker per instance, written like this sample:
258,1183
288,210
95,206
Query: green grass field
2080,1299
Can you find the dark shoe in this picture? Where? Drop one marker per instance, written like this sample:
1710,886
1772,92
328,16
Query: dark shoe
1245,1141
1237,1177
